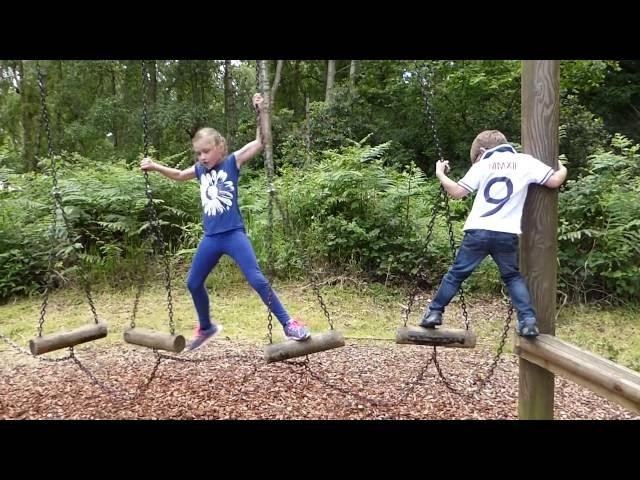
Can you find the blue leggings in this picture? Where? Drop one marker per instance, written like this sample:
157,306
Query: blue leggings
235,244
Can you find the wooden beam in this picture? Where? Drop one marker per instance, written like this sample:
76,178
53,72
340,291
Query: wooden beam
608,379
318,342
437,337
151,339
55,341
538,247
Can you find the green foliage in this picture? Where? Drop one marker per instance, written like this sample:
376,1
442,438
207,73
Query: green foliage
617,99
599,226
581,134
351,209
105,205
584,75
348,200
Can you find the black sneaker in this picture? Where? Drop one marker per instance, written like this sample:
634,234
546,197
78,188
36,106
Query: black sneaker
527,328
432,319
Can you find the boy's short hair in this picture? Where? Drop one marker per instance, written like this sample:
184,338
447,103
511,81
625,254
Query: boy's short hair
487,139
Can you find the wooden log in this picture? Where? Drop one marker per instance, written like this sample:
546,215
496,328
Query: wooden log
538,243
436,337
604,377
55,341
318,342
152,339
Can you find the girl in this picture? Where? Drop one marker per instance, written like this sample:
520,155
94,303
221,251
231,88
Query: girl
224,231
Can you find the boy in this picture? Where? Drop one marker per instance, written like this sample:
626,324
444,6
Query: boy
502,176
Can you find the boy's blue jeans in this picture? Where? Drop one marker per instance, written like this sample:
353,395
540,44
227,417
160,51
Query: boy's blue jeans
476,245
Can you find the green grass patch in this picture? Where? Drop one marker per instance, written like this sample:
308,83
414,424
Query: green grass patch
357,309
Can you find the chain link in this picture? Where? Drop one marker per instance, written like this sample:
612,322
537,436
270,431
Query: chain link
271,191
154,221
84,278
406,391
109,390
427,90
56,197
19,349
480,380
426,84
452,244
427,93
416,288
270,254
306,264
290,231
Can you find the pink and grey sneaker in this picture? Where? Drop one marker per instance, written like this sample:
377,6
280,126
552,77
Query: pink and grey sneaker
295,330
202,336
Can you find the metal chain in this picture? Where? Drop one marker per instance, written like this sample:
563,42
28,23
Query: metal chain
452,244
240,356
409,387
479,381
57,206
291,231
505,331
153,215
415,288
270,256
56,199
109,390
271,191
427,94
19,349
316,289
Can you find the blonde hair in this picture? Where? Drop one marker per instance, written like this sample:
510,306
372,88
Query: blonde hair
487,139
211,135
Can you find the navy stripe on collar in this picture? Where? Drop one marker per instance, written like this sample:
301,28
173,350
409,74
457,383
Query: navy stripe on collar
499,148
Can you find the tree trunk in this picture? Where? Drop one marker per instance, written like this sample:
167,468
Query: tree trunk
263,87
276,81
153,103
307,124
29,109
228,103
331,78
12,69
114,120
352,78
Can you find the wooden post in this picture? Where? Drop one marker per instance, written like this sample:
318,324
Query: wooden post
538,246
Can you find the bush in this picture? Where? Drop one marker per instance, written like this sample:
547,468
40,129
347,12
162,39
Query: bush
599,226
105,206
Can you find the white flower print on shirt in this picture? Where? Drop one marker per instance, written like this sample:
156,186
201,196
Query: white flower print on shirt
216,192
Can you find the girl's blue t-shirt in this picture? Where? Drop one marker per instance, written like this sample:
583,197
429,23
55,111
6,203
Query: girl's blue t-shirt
219,196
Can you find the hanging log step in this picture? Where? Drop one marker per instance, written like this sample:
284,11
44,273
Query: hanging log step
318,342
436,337
56,341
152,339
